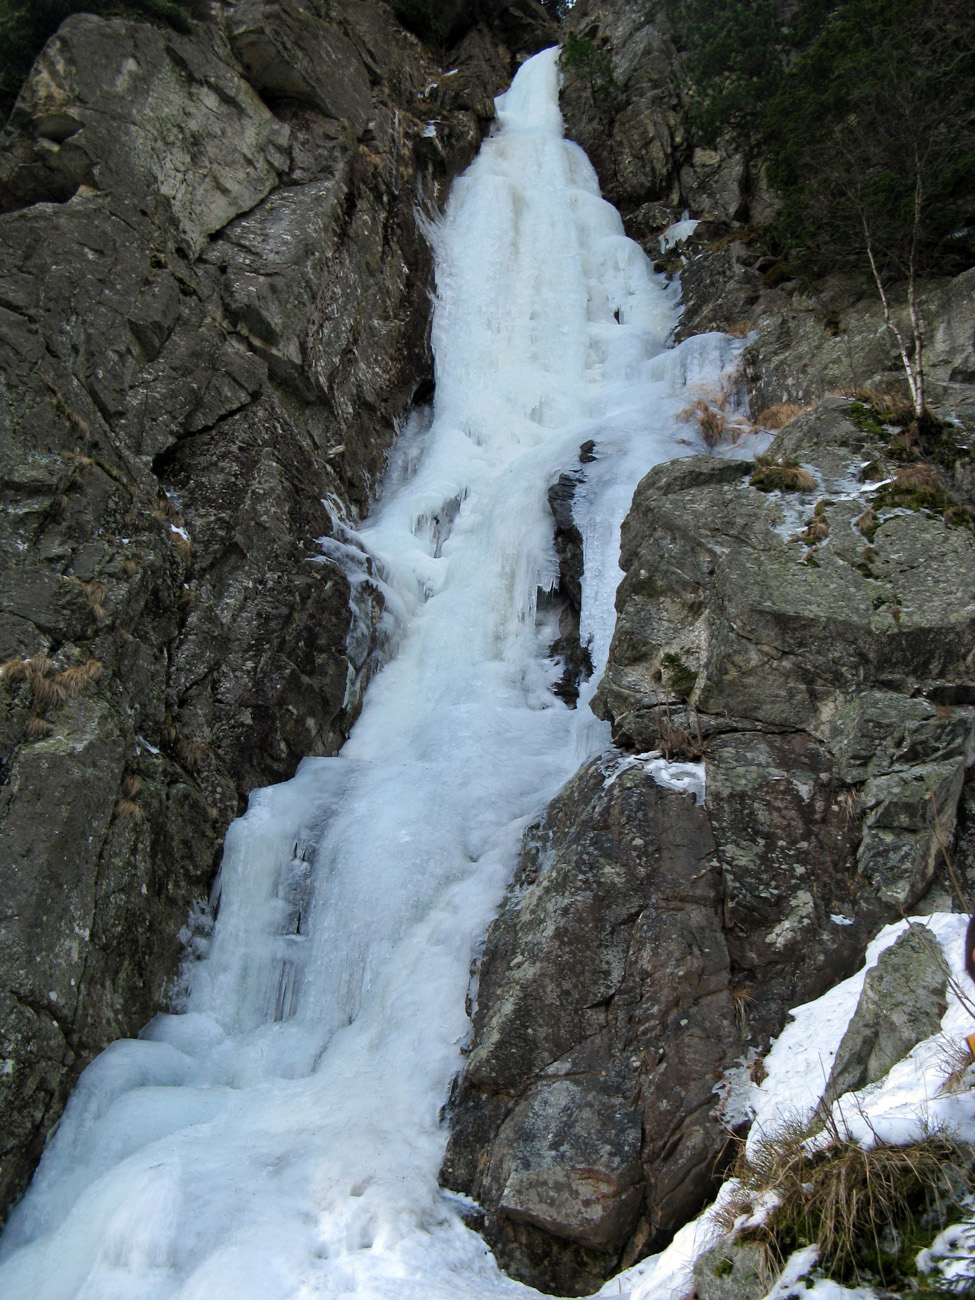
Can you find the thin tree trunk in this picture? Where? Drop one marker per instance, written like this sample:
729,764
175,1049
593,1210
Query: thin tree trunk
914,380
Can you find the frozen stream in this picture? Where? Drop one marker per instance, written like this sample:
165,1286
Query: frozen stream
281,1137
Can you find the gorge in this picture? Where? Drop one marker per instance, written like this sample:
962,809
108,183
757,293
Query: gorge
206,360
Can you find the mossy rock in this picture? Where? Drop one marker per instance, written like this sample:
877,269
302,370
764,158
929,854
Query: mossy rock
732,1270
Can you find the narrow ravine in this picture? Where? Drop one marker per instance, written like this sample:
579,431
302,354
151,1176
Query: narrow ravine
281,1136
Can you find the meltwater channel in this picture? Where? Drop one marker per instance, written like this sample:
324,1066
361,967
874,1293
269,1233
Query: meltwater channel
280,1138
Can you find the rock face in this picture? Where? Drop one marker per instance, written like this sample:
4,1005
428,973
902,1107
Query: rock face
624,102
816,651
903,1000
213,310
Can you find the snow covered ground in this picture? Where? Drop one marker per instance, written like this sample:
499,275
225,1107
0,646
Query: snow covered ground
907,1104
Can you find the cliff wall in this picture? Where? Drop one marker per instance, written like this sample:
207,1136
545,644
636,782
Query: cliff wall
803,624
214,303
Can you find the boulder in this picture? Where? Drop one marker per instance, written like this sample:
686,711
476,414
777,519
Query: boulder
902,1003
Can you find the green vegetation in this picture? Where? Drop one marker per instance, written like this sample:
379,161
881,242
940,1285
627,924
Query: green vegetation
434,21
864,113
595,65
680,676
26,26
429,19
919,487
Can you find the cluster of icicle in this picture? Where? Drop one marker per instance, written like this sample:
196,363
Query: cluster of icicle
280,1137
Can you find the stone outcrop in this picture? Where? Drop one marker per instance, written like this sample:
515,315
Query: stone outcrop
814,647
903,1000
213,311
625,102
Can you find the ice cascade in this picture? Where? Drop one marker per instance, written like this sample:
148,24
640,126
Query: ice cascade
281,1137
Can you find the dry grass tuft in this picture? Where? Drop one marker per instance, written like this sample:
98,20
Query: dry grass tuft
95,594
741,329
711,422
129,808
778,416
183,546
817,529
741,999
83,460
868,523
15,670
191,753
955,1060
924,474
131,785
895,408
76,679
48,691
850,802
783,475
863,1207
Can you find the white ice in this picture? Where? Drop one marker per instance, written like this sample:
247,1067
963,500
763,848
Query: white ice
281,1137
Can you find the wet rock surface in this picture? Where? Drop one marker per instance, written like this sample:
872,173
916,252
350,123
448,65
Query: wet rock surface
650,944
213,310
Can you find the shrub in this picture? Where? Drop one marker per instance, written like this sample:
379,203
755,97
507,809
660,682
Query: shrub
869,1210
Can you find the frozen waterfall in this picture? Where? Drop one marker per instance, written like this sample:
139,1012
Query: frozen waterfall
281,1138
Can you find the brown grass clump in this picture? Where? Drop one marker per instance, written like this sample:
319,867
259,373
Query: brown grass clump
76,679
921,487
741,329
191,752
95,594
129,808
711,422
868,523
784,475
817,529
868,1210
15,670
779,415
183,546
924,474
955,1060
893,407
741,999
131,785
48,691
84,461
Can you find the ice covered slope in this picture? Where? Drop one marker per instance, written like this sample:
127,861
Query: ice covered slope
281,1136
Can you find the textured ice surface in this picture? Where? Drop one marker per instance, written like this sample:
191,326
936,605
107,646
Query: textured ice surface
281,1137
